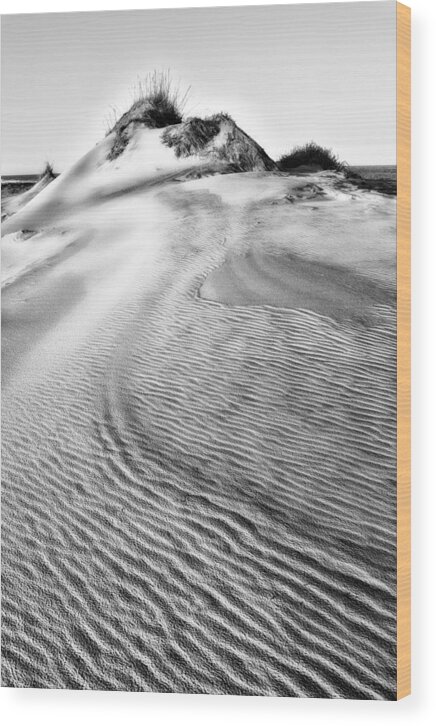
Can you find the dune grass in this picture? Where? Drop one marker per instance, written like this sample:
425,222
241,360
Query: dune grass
48,171
157,103
311,154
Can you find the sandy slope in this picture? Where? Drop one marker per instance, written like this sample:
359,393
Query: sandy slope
13,203
198,468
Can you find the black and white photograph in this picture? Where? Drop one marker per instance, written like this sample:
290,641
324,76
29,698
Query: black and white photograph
199,350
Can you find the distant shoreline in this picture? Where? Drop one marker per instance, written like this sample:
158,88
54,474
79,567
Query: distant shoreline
15,178
381,178
12,184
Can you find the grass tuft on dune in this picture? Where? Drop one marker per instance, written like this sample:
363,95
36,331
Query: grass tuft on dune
311,155
158,103
48,172
314,158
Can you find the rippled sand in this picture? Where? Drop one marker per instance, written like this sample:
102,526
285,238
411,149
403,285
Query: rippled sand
199,494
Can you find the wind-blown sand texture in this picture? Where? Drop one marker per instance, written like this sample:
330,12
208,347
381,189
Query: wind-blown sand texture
199,432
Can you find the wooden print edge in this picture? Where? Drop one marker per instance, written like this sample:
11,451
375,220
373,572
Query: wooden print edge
403,16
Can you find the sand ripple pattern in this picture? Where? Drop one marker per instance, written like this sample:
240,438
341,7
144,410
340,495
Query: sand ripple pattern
203,500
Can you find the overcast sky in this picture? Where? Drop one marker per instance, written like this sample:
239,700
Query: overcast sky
287,75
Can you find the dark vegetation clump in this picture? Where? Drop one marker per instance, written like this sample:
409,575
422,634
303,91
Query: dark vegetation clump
157,104
192,135
311,155
235,152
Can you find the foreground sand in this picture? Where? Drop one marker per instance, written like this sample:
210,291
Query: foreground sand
199,469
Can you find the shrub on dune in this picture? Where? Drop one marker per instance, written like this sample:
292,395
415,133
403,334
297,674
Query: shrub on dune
311,155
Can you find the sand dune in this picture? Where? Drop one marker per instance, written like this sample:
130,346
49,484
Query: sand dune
14,203
199,450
